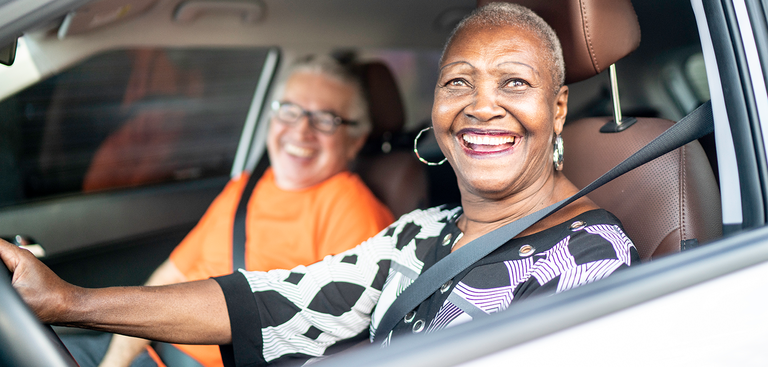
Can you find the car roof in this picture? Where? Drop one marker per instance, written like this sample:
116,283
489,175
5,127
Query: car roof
332,23
304,25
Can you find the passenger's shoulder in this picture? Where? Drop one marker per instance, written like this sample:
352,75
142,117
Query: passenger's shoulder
420,223
437,214
598,235
598,216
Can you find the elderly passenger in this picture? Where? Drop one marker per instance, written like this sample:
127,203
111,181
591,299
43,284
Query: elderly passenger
499,108
306,205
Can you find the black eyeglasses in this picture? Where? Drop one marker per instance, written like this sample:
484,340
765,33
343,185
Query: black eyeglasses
323,121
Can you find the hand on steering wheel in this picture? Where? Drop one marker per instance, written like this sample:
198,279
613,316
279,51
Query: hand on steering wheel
23,339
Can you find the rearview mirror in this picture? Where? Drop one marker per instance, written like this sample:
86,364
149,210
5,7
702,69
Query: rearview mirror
8,53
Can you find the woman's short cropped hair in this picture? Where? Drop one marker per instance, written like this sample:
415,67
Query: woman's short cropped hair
507,14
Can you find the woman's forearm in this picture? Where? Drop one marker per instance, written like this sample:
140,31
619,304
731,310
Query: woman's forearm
194,312
189,313
123,349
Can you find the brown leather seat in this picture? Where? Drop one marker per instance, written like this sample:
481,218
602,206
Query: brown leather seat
661,203
394,175
672,199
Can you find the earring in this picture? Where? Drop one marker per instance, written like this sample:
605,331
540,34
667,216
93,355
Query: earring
557,155
416,149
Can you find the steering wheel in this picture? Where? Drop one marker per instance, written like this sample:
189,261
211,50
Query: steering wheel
24,341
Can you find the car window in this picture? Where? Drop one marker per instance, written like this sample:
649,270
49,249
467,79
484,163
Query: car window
684,78
127,118
696,75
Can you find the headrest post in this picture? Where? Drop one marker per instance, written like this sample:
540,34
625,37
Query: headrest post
615,95
618,123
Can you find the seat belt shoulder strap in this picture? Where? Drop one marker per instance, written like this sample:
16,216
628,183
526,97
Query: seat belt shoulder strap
238,230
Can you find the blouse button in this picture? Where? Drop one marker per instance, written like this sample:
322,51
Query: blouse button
409,317
578,225
526,250
418,326
447,239
446,286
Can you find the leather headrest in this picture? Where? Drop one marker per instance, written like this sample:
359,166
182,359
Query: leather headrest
384,102
594,33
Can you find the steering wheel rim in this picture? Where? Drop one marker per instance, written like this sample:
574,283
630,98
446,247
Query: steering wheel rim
24,341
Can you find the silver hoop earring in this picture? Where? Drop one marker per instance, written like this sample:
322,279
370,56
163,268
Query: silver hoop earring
416,150
557,155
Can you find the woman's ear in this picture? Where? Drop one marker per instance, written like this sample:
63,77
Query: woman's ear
561,109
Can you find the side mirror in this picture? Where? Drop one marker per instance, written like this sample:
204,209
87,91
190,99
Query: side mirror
8,53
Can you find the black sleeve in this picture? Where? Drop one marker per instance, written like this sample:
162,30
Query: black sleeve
243,320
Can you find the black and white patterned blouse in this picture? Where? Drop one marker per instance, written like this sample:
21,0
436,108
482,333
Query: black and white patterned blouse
304,312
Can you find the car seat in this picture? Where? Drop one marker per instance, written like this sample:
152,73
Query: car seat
392,173
667,205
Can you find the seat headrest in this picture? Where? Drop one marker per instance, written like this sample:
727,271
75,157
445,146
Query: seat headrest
594,33
384,102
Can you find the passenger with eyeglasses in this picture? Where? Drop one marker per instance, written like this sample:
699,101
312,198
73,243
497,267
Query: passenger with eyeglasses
306,205
323,121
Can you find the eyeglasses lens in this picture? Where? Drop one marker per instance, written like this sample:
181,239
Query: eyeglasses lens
322,121
289,113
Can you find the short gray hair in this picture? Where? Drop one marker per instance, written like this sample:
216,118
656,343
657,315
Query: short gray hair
506,14
331,68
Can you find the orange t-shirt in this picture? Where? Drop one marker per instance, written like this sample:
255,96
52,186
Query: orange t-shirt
284,229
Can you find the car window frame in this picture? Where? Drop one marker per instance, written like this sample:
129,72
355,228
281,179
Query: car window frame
741,107
252,145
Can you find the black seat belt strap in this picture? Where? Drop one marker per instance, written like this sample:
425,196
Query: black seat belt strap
238,230
691,127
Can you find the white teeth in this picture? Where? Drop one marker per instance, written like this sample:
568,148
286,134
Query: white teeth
488,139
298,151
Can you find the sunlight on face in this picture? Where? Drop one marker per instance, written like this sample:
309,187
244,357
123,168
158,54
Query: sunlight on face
495,115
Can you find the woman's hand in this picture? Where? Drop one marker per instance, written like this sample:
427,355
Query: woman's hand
41,289
193,313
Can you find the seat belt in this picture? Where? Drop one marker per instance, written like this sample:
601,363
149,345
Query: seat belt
691,127
238,230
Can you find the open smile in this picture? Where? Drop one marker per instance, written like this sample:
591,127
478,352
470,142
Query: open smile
487,142
297,151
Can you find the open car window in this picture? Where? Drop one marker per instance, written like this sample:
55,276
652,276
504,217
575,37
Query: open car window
127,118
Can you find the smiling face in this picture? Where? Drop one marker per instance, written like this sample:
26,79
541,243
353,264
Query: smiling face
300,155
496,111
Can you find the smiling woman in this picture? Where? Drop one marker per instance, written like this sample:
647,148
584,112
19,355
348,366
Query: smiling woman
498,110
499,107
